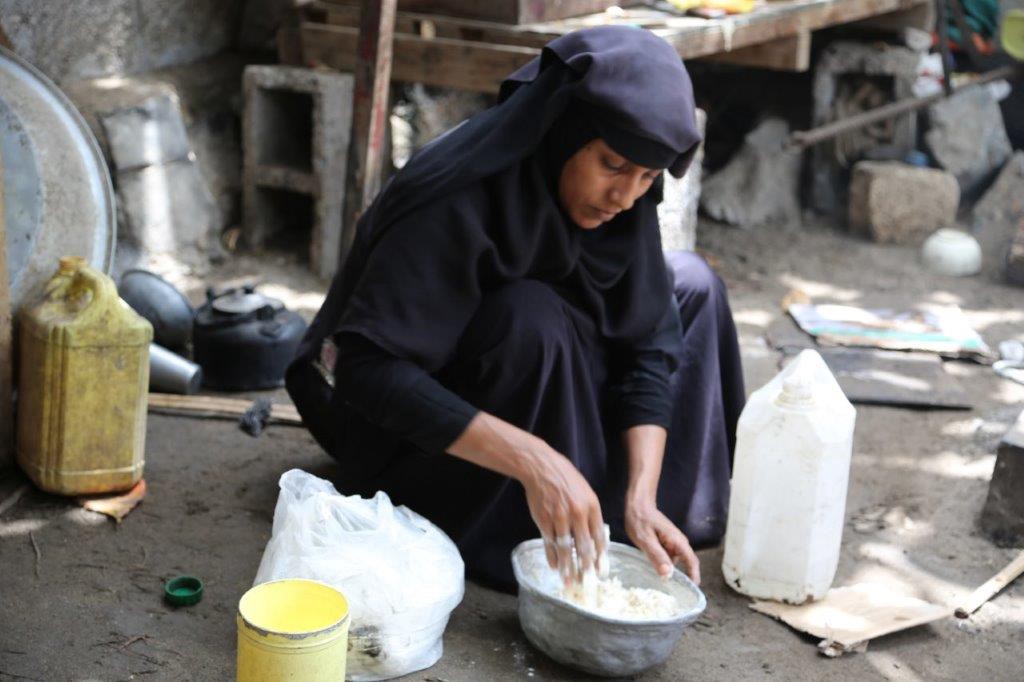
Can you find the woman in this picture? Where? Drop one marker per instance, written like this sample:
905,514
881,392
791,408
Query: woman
502,351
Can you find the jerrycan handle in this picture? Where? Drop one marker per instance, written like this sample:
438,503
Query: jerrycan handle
85,280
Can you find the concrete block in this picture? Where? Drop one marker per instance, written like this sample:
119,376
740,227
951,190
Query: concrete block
295,139
677,212
995,217
1002,517
894,203
966,136
152,132
760,184
850,77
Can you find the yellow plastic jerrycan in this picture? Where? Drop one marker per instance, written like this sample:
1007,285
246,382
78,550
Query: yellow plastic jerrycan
83,385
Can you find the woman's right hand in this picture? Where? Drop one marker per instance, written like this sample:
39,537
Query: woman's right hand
562,503
565,509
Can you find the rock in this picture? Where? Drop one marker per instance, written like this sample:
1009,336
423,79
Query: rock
677,212
995,217
1015,258
1002,517
894,203
206,99
760,184
151,133
165,209
967,137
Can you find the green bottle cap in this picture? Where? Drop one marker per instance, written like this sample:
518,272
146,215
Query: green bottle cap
183,590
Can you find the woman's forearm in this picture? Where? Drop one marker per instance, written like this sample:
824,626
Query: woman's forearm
495,444
645,449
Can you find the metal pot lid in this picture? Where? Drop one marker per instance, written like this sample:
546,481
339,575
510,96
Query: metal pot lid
241,302
58,198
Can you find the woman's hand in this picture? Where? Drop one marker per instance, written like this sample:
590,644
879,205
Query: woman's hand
562,503
660,540
565,509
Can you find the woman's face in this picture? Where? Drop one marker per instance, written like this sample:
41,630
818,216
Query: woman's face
597,184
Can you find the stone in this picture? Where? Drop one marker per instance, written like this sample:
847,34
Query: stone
1002,517
759,185
165,209
296,129
966,136
184,115
995,217
152,132
850,77
893,203
677,212
1014,271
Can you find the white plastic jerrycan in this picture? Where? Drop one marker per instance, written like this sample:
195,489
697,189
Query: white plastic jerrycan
792,466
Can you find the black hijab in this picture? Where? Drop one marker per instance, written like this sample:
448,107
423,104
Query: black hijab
476,207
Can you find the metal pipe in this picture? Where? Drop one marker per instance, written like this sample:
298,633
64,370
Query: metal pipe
807,138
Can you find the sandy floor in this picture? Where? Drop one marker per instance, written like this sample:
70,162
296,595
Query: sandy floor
88,605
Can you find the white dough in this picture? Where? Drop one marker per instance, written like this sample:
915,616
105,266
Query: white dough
609,598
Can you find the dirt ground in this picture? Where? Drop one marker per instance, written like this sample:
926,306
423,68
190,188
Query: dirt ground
80,596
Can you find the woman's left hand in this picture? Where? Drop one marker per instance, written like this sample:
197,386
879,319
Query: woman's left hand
664,544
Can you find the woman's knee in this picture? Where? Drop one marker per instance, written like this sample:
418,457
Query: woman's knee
695,282
526,314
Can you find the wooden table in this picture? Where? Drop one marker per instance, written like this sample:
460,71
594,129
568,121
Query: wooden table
476,55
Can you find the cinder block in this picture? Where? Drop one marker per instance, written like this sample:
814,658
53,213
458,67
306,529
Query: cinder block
295,139
1002,517
895,203
851,77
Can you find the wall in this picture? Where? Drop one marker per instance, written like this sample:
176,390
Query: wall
70,40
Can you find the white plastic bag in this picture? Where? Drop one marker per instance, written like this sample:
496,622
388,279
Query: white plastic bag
401,574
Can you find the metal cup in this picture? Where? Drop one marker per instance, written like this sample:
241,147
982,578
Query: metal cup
171,373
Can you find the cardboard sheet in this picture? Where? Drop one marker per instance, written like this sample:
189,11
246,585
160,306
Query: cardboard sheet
932,328
847,617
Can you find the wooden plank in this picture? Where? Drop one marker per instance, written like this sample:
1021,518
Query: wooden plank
440,26
791,53
458,64
507,11
372,69
6,346
778,20
477,55
921,17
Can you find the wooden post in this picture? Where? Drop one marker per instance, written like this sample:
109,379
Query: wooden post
6,354
369,113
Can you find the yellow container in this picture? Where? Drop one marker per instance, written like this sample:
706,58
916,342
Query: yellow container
82,386
292,629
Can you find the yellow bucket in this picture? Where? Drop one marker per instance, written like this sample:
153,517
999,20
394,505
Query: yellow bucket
292,630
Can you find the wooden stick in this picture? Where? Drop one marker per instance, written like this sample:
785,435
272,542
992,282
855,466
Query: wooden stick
13,498
992,587
202,405
6,344
369,113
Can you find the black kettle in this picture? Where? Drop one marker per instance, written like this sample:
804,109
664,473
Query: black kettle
244,340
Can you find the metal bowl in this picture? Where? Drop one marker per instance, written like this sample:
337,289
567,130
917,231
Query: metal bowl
595,644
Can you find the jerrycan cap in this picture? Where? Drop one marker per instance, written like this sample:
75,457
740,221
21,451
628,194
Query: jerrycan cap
797,389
